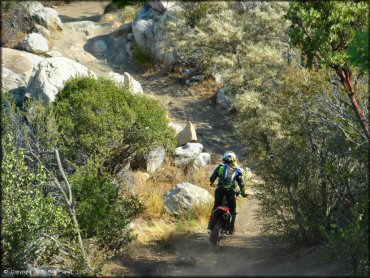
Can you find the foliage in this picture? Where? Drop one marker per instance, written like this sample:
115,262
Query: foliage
358,50
350,244
141,58
96,117
101,212
309,149
35,226
324,29
243,51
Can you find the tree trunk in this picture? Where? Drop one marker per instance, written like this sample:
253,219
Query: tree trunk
346,80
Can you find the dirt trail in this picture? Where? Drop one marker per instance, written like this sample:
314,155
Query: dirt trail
247,252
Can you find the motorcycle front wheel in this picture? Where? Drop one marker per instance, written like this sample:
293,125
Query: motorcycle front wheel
215,235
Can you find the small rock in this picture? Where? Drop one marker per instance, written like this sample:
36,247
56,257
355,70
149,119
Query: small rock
99,46
130,36
202,160
35,43
187,135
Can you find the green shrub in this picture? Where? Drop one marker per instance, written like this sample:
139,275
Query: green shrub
35,229
96,117
101,212
141,58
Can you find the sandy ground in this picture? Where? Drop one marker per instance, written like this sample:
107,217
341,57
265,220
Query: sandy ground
248,252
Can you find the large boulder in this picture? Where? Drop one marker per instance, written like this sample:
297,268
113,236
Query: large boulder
225,98
35,43
187,135
126,80
184,196
44,16
155,159
176,127
19,62
50,75
149,33
187,153
202,160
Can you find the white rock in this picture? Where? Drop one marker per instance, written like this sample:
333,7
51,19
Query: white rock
176,127
49,76
202,160
187,153
187,135
35,43
126,80
46,17
155,159
99,47
149,32
161,6
130,49
224,98
184,196
133,84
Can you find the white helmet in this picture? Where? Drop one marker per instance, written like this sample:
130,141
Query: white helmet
229,157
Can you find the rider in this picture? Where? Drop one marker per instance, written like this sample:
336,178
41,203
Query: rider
227,173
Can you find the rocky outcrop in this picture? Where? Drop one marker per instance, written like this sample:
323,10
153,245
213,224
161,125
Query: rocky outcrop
176,127
126,80
148,29
155,159
44,16
187,135
49,76
202,160
225,98
184,196
35,43
187,153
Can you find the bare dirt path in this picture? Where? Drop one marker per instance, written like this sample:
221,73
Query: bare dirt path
248,251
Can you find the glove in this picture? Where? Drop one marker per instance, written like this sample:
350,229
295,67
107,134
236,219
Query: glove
242,192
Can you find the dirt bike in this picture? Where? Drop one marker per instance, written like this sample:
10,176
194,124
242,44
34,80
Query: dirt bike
223,219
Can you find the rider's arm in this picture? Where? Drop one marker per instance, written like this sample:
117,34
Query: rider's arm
214,175
240,181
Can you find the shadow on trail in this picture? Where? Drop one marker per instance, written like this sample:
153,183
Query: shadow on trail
66,19
238,256
115,55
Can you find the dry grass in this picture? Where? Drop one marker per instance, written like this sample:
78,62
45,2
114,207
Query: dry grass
206,88
155,223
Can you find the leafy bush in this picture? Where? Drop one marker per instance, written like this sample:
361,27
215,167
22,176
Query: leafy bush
96,117
35,229
101,212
